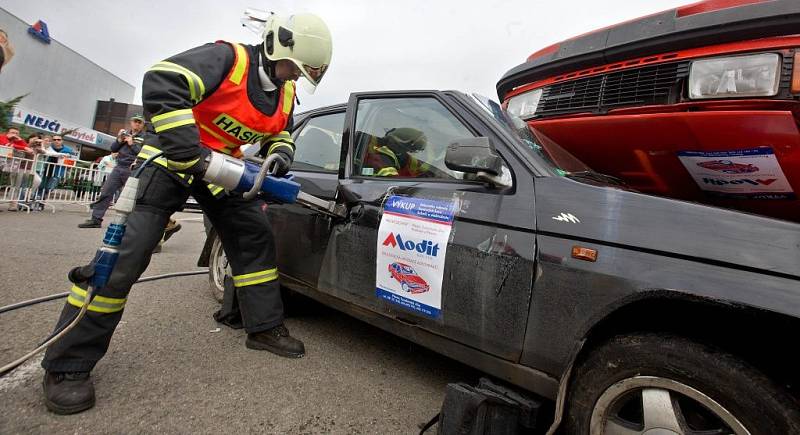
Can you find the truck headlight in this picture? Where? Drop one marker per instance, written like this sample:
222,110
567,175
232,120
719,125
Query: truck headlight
756,75
524,105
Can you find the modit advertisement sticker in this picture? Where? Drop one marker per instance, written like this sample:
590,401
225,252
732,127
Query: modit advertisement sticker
748,173
412,245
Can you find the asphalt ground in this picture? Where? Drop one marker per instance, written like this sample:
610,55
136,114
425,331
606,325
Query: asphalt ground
170,370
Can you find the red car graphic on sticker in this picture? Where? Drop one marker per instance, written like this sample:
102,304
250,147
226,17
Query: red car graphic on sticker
728,167
408,278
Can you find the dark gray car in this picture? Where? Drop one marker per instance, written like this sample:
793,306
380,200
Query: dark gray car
633,311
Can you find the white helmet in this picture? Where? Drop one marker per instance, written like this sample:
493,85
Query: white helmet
303,39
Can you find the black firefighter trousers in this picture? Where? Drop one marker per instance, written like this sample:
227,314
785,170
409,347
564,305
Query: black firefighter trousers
246,237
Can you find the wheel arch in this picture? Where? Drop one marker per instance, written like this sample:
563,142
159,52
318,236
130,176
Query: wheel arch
762,338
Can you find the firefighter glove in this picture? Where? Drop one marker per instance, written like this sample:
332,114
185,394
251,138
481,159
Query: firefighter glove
281,165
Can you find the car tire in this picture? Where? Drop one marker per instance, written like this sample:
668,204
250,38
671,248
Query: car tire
635,383
218,268
404,286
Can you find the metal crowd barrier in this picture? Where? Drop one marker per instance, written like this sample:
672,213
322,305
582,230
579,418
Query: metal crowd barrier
41,182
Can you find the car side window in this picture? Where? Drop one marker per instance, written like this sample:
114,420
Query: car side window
405,137
318,143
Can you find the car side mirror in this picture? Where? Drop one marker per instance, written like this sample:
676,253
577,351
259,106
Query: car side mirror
473,156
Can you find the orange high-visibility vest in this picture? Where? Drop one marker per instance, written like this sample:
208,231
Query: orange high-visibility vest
227,118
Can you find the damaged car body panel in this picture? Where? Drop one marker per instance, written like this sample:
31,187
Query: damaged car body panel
489,316
515,302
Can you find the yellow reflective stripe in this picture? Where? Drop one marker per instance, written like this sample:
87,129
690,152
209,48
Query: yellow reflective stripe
214,189
148,151
176,118
241,64
180,166
283,136
218,137
196,86
387,172
100,304
255,277
288,97
387,152
277,145
192,87
256,274
189,73
171,125
171,114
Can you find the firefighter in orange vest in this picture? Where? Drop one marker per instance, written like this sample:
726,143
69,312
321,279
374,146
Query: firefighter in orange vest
216,97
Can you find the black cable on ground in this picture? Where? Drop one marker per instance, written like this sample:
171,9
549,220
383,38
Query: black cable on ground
8,368
35,301
55,296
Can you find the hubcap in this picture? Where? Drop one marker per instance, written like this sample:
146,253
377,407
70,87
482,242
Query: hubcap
219,267
648,405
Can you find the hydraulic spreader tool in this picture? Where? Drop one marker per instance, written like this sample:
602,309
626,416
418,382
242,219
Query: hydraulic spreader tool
247,177
250,177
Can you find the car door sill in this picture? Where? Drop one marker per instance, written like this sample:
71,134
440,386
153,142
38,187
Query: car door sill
526,377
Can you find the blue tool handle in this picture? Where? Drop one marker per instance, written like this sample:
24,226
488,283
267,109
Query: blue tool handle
114,234
284,190
104,261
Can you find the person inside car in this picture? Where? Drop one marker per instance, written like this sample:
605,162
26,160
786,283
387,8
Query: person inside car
391,155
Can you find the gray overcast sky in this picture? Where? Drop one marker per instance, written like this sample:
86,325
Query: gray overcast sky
377,44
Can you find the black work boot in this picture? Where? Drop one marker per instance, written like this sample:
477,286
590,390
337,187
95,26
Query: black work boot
91,223
278,341
68,393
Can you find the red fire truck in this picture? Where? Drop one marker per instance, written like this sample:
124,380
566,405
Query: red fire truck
679,102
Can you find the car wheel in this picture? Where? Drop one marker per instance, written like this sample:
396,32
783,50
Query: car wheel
662,384
218,268
404,286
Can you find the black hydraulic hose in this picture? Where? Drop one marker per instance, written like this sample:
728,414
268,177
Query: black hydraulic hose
141,280
8,368
35,301
55,296
146,163
172,275
64,329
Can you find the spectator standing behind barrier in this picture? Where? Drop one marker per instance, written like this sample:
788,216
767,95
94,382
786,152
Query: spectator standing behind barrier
37,145
127,146
104,168
12,138
54,172
21,151
41,167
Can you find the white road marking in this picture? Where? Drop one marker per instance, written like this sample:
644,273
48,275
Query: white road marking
24,372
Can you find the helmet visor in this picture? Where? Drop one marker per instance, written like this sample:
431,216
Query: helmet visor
313,76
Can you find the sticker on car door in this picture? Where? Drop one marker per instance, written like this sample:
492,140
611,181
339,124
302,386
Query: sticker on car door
412,246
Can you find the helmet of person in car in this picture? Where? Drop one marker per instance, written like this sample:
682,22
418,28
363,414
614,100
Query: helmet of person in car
405,139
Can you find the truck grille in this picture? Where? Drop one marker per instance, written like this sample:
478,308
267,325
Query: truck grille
632,87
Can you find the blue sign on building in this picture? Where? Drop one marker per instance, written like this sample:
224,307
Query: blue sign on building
39,31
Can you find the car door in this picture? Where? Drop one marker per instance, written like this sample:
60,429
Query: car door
302,234
483,283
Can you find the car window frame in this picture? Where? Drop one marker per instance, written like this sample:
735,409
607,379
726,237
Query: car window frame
347,170
308,116
537,166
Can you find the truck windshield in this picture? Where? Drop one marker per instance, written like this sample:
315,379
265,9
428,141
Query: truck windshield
560,160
